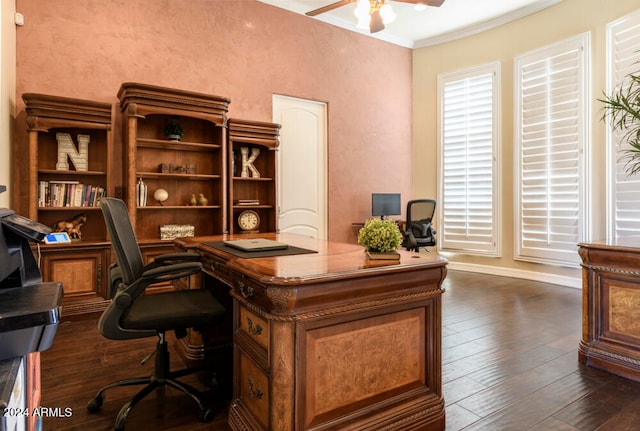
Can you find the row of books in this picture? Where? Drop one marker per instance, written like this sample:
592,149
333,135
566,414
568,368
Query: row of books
246,202
60,194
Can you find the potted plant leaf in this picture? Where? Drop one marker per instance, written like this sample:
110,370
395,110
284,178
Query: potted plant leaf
380,238
173,131
622,108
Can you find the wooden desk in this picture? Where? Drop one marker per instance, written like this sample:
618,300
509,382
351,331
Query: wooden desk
331,340
611,306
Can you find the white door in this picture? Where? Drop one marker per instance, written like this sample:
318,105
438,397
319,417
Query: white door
302,166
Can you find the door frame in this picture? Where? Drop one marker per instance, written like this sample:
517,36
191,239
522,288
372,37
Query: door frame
322,159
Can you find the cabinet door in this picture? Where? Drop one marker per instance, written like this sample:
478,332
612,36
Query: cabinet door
83,275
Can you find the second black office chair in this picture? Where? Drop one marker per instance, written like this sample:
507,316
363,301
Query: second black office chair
419,231
132,314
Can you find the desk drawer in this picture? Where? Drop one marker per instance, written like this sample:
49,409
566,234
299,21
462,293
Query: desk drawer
254,389
256,327
252,292
216,267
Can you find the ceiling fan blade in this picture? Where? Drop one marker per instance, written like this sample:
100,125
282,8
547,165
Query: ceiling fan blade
329,7
434,3
376,24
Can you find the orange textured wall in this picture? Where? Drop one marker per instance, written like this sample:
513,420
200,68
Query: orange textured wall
244,50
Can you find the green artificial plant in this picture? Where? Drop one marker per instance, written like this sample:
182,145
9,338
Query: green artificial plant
378,235
173,128
622,108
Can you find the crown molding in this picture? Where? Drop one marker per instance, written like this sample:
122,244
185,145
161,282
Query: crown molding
470,30
485,25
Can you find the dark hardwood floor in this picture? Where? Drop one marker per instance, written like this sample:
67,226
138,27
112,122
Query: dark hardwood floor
509,363
81,361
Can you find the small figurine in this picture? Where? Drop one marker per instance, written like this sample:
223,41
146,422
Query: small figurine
193,201
72,227
202,201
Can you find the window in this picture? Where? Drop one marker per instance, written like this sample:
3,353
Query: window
468,137
551,102
623,195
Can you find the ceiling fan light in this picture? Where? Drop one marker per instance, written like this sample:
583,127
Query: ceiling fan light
362,9
363,22
387,13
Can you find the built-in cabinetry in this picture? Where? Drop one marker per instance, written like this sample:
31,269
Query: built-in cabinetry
189,174
199,184
67,163
252,180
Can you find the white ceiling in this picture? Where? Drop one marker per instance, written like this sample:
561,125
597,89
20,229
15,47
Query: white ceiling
416,29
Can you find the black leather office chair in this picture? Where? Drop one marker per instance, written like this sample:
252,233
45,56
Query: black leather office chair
419,230
132,314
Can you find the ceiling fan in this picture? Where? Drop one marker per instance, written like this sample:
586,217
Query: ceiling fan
373,13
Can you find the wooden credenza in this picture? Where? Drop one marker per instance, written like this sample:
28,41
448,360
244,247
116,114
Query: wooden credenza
611,306
331,340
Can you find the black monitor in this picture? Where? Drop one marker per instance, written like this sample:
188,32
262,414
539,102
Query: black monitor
385,204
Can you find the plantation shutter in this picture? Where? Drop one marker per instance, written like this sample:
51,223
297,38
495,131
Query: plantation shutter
550,142
468,147
623,55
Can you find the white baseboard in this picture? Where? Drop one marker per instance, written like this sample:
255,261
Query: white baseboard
562,280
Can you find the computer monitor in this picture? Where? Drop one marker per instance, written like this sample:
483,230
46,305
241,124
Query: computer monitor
385,204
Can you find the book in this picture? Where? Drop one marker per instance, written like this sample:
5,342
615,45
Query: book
71,193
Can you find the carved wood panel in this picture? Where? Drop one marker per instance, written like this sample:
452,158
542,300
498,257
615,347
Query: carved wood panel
358,360
81,273
621,301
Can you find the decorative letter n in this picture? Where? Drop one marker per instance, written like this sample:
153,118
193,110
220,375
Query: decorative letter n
66,148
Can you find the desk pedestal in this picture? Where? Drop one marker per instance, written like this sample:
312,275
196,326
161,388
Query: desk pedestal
358,369
332,340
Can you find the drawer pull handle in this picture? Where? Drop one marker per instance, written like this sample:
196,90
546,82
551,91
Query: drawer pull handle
245,291
215,266
257,394
254,331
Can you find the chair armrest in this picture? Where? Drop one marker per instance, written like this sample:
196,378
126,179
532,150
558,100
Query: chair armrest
410,241
160,274
170,272
172,258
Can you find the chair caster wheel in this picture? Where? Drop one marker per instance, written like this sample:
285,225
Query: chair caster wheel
95,404
206,415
